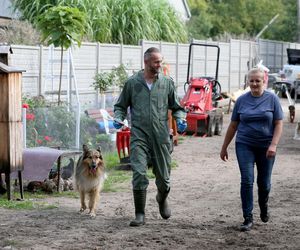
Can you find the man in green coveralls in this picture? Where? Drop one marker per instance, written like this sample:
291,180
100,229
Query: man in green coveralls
150,94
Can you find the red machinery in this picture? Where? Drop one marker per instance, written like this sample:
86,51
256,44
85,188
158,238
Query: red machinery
200,101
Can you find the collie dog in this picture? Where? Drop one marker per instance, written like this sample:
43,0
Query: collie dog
89,178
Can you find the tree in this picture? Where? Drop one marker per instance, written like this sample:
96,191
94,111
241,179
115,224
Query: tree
286,27
213,18
61,26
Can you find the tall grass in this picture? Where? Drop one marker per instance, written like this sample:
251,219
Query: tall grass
118,21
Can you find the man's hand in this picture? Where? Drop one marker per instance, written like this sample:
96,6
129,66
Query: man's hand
117,124
181,125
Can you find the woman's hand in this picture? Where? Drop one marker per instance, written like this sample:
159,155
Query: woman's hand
224,154
271,152
228,137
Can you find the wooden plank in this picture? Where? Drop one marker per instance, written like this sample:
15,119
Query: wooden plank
15,97
16,146
11,97
11,146
4,98
4,147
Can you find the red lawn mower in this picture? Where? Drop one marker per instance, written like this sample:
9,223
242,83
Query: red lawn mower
204,118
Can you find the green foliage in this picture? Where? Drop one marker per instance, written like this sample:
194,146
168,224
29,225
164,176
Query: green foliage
120,75
61,25
116,180
286,27
150,174
239,18
203,24
51,126
55,126
102,81
174,165
111,160
116,77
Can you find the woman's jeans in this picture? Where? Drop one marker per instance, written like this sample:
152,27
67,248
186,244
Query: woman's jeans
247,156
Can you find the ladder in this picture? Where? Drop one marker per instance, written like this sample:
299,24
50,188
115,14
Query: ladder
69,82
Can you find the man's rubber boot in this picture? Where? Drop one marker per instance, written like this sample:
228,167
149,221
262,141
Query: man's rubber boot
263,197
164,208
139,204
247,224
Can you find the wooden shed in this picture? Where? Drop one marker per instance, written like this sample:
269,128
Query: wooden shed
11,146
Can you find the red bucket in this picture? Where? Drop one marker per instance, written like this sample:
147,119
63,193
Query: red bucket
123,142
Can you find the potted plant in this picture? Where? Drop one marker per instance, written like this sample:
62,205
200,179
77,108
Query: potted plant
120,76
103,80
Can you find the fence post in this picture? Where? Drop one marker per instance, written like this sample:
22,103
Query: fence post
177,65
229,68
97,70
142,52
40,79
121,53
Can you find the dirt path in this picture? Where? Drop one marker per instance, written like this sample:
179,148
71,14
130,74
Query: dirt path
205,204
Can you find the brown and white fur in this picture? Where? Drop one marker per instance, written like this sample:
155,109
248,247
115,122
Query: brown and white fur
89,178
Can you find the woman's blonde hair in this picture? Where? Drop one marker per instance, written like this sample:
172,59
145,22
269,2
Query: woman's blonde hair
256,70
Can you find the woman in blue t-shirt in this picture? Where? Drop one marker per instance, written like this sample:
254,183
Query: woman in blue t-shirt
257,119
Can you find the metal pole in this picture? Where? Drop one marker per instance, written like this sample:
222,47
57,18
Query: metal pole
267,26
24,127
78,126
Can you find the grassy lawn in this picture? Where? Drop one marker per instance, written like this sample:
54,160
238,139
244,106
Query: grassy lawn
116,181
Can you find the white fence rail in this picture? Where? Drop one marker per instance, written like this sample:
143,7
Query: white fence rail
235,59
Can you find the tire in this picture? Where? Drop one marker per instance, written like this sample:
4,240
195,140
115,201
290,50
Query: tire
219,126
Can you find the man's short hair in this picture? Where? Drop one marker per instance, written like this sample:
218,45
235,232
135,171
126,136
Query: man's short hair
149,51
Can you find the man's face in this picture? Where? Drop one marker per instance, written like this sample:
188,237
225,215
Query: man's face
153,64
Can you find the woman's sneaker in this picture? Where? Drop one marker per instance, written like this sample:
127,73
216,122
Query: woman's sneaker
264,217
